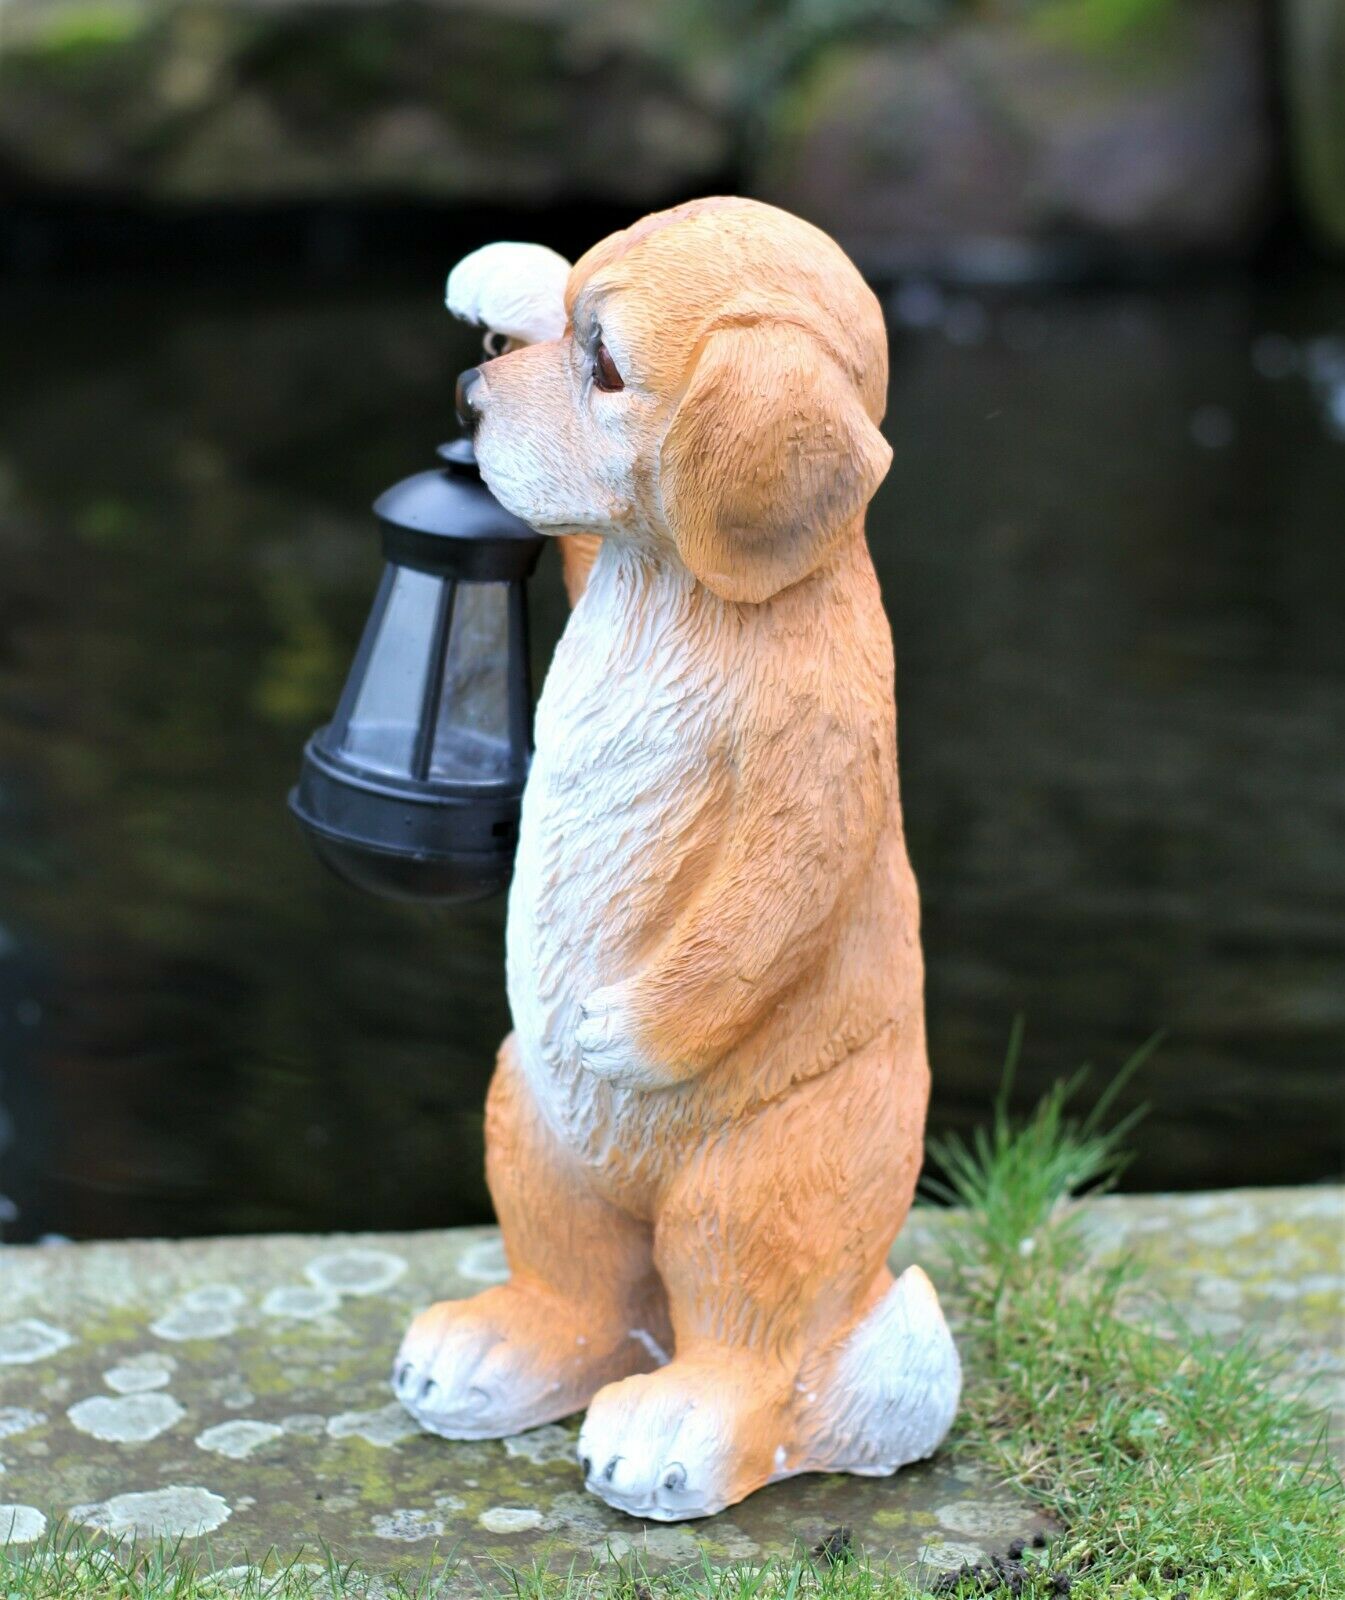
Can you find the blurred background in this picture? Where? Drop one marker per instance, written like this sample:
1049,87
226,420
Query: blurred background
1108,237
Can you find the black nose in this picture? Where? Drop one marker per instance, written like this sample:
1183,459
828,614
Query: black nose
468,415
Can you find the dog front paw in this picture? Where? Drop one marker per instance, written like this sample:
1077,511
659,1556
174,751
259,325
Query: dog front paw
606,1040
517,290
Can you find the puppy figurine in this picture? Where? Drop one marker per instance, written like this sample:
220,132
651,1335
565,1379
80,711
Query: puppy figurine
705,1130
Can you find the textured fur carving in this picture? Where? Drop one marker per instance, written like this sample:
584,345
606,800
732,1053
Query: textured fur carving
705,1131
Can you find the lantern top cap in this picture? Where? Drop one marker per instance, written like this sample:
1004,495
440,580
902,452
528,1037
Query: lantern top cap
447,522
460,457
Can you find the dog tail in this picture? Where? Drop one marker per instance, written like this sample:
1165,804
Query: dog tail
887,1394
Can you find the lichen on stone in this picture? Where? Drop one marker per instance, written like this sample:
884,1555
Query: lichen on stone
186,1322
20,1525
947,1554
982,1519
386,1425
138,1373
540,1445
357,1272
179,1511
31,1340
484,1262
127,1418
510,1519
238,1439
301,1301
19,1419
408,1525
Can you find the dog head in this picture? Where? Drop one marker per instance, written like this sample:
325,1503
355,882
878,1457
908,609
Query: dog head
714,398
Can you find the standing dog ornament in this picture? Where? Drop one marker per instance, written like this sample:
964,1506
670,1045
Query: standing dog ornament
705,1130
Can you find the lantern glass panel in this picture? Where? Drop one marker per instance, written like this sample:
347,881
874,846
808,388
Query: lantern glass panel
471,736
385,719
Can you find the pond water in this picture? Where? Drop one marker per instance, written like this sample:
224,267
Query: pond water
1107,544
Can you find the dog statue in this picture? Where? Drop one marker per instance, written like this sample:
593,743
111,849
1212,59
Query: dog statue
705,1130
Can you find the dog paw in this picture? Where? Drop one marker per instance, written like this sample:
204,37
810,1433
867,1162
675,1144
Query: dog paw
504,1361
604,1037
517,290
685,1441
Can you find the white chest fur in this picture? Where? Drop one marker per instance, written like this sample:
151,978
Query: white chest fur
624,791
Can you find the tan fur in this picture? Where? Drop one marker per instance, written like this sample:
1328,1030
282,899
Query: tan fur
709,1127
578,552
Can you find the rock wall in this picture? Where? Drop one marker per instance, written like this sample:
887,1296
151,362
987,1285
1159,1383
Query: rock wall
522,101
995,140
1004,147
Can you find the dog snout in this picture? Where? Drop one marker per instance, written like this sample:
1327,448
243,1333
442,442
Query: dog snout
468,398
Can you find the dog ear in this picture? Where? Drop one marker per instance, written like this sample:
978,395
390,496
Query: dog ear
768,457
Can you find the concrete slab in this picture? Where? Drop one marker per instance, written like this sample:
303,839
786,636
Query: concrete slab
235,1390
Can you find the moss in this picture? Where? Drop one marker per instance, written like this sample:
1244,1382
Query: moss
1101,25
75,32
301,670
1315,71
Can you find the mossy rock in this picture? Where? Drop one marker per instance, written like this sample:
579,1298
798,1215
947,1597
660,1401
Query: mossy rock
238,100
999,146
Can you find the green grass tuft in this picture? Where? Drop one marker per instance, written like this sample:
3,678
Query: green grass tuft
1177,1466
1016,1181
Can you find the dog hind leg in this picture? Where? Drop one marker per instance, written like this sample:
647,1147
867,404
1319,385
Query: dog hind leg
769,1241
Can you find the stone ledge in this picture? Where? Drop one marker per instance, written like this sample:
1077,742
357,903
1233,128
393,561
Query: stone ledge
237,1388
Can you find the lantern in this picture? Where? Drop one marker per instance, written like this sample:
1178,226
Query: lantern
413,789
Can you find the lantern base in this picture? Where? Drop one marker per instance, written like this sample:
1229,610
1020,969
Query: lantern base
428,847
415,880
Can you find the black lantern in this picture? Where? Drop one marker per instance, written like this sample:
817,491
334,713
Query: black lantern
412,790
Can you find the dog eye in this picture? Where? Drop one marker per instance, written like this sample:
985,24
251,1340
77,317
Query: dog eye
605,374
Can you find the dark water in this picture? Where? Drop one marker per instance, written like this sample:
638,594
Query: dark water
1110,544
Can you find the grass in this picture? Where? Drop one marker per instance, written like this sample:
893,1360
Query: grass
1177,1467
